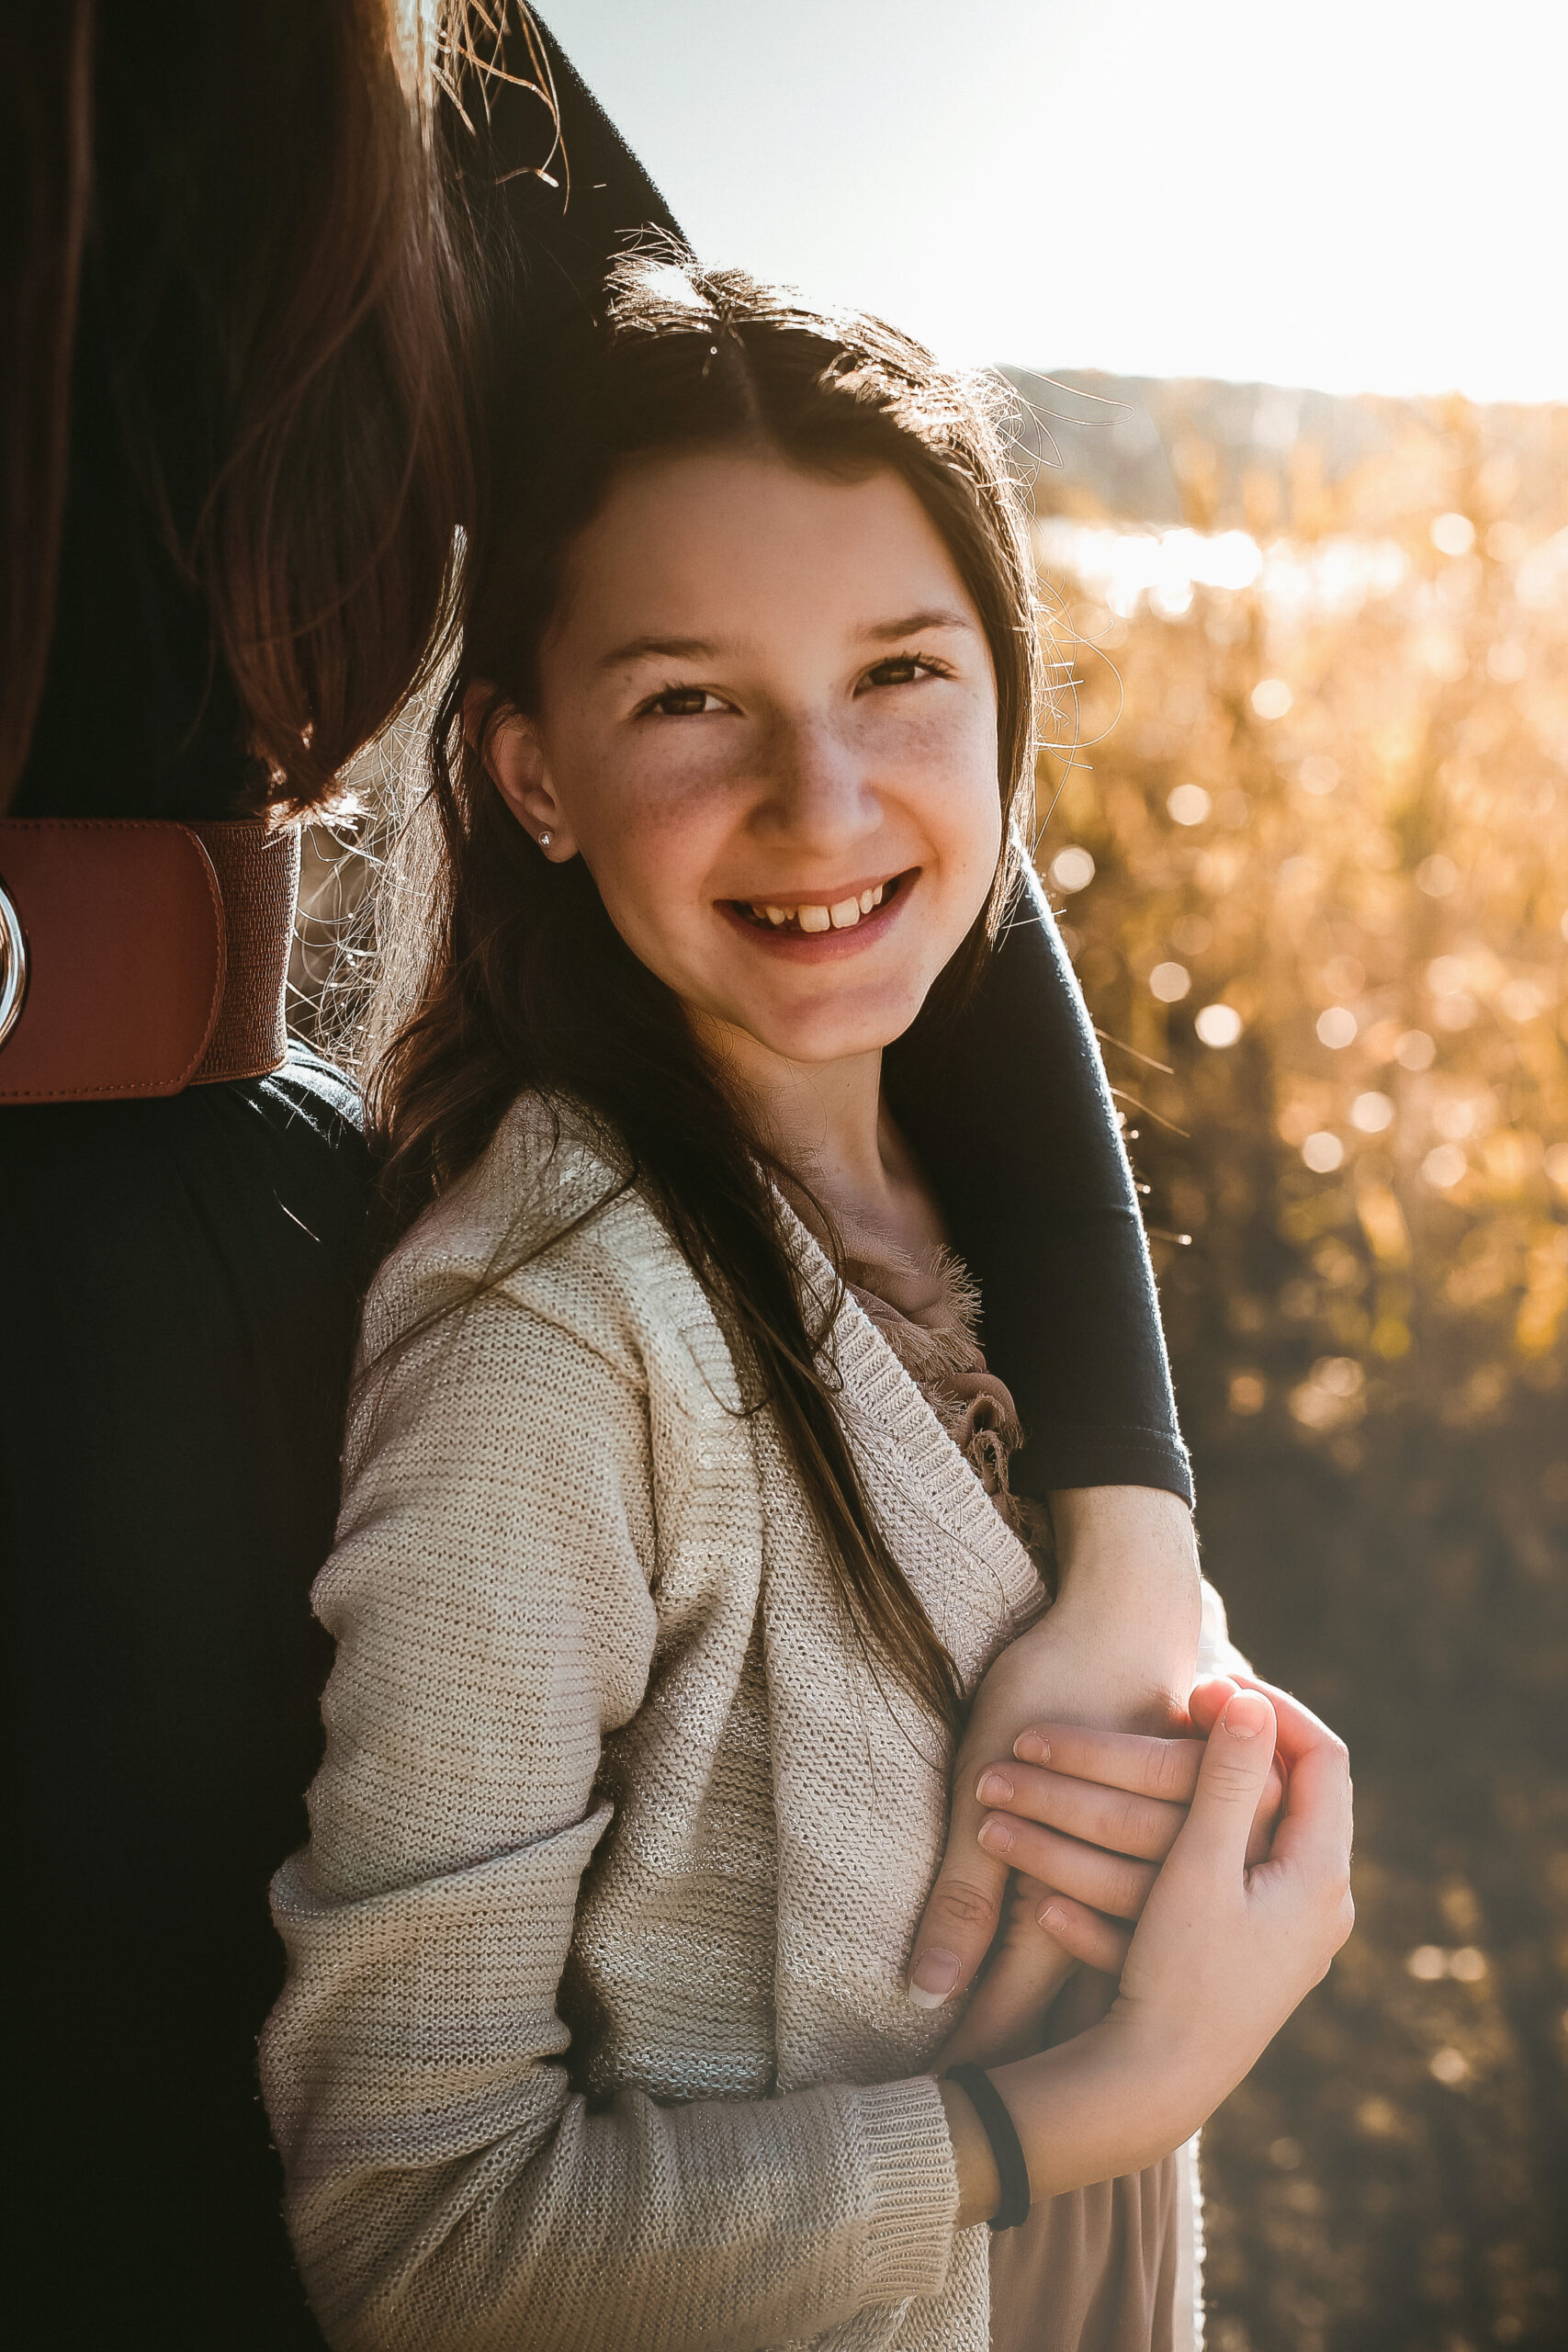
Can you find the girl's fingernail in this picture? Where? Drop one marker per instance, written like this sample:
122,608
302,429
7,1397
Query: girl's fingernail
932,1978
1245,1714
1029,1747
1049,1916
995,1788
994,1835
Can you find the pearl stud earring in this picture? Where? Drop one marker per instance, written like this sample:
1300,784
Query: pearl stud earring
544,840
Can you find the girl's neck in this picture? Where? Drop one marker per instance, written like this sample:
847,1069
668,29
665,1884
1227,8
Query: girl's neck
829,1125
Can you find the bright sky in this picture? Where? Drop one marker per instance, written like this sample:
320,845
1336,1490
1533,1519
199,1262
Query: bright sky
1354,194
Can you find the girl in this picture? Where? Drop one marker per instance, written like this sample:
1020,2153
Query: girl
678,1527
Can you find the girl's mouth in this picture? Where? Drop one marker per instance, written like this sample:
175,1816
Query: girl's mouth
809,919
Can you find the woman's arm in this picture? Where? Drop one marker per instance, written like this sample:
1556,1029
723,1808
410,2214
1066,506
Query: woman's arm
1011,1116
1118,1651
447,2187
1009,1113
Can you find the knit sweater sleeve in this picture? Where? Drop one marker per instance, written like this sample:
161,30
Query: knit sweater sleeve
493,1600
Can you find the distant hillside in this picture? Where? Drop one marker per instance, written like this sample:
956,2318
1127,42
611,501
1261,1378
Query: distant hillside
1268,459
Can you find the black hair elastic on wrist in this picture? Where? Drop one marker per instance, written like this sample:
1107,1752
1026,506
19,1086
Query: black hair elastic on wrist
998,2125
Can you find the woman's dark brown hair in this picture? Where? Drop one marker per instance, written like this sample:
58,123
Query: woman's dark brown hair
519,977
262,198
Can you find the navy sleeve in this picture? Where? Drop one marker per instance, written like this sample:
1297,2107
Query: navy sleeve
1008,1109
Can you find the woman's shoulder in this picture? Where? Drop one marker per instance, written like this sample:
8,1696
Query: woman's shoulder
548,1224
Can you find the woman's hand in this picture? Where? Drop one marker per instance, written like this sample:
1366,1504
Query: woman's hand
1221,1954
1116,1652
1088,1815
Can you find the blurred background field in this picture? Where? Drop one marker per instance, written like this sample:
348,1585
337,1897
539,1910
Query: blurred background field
1308,832
1312,856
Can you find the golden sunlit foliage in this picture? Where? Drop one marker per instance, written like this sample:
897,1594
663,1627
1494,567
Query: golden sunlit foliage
1328,816
1312,858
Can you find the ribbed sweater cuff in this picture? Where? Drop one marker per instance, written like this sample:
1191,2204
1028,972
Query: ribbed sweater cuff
912,2188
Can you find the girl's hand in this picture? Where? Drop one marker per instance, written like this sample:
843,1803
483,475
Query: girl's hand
1116,1651
1090,1816
1222,1955
1024,1972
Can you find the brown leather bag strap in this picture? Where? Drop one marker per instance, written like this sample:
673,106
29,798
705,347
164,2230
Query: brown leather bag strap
257,867
138,958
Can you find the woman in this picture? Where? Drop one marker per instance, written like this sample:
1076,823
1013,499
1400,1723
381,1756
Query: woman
264,285
243,307
661,1585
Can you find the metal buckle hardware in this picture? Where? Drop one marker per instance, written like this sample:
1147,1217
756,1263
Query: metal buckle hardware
13,964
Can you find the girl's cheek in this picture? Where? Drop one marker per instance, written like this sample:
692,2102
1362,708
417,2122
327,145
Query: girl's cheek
652,852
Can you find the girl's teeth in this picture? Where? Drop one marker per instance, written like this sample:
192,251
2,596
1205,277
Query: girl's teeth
817,918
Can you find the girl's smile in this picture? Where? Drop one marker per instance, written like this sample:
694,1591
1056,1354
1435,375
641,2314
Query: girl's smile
819,925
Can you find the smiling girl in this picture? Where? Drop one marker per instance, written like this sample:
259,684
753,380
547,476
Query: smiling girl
678,1528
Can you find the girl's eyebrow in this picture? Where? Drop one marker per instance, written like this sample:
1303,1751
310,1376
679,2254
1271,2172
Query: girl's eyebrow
693,649
913,624
668,649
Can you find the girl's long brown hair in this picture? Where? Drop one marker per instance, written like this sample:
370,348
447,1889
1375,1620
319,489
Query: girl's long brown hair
517,977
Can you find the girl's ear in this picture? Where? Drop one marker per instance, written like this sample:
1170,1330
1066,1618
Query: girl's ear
515,757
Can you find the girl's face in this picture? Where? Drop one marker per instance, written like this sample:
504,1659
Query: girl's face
768,723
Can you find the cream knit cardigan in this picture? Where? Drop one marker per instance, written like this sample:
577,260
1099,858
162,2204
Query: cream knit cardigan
607,1772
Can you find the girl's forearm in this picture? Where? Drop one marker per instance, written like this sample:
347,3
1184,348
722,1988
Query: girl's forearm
1081,2117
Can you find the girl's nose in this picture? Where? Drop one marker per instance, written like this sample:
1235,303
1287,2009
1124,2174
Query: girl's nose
820,789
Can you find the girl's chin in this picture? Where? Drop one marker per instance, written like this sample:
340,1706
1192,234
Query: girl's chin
817,1036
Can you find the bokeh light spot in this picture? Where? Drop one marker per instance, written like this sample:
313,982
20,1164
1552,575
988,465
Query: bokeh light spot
1454,534
1271,698
1371,1113
1218,1024
1189,804
1072,869
1169,982
1444,1165
1437,875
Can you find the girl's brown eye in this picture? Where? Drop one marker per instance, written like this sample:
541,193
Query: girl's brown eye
902,671
680,702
